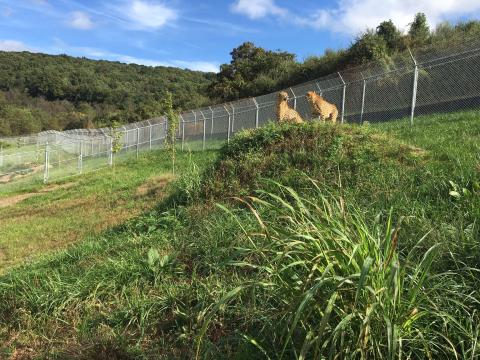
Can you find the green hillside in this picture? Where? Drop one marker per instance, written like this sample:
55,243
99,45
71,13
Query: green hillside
310,241
39,91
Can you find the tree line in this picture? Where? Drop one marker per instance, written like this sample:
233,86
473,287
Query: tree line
40,92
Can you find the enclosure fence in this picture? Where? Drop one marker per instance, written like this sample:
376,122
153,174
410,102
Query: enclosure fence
431,80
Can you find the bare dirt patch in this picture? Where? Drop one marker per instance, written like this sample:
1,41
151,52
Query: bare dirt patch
13,200
155,185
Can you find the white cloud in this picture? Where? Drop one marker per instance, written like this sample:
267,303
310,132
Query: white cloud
13,45
80,20
257,9
354,16
148,15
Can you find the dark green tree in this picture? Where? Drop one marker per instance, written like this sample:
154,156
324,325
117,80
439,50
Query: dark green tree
419,31
368,47
392,36
252,71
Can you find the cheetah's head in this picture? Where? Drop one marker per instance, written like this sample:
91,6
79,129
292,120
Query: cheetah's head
283,96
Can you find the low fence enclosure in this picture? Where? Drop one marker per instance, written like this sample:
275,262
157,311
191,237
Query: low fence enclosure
430,81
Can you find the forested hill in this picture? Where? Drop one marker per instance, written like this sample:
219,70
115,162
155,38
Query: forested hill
39,91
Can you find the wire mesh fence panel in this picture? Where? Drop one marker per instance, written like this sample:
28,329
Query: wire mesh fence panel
447,87
394,89
244,115
267,108
92,163
18,165
219,129
354,98
158,135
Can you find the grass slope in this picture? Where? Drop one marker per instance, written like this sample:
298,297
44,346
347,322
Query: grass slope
368,248
52,216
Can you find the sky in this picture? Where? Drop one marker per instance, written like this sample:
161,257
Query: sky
200,35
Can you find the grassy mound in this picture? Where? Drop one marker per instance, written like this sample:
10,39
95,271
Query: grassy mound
336,156
341,243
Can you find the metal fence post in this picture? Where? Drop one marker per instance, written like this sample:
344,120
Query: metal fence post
211,128
110,152
256,112
228,132
183,130
204,129
363,98
343,97
195,119
149,135
138,141
46,165
294,99
233,117
414,90
80,159
319,88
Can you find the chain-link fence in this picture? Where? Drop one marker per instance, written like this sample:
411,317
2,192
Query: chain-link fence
432,80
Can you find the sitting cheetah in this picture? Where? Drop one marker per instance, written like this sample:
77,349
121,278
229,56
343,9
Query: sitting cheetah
284,112
321,108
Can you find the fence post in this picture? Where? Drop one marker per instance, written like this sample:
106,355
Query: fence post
45,170
294,99
414,90
1,154
183,130
319,88
343,96
363,98
256,113
138,141
204,129
80,159
149,135
110,152
211,129
228,132
195,120
233,117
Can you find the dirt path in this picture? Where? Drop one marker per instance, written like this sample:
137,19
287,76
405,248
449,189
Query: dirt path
13,200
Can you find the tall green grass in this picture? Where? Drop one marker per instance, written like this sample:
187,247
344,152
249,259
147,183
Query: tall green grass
336,287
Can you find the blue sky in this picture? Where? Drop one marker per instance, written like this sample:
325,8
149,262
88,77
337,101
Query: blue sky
200,34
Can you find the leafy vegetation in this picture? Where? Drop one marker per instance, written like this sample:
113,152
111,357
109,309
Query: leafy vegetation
298,241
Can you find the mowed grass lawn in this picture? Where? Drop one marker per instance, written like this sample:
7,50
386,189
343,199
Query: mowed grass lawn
48,217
